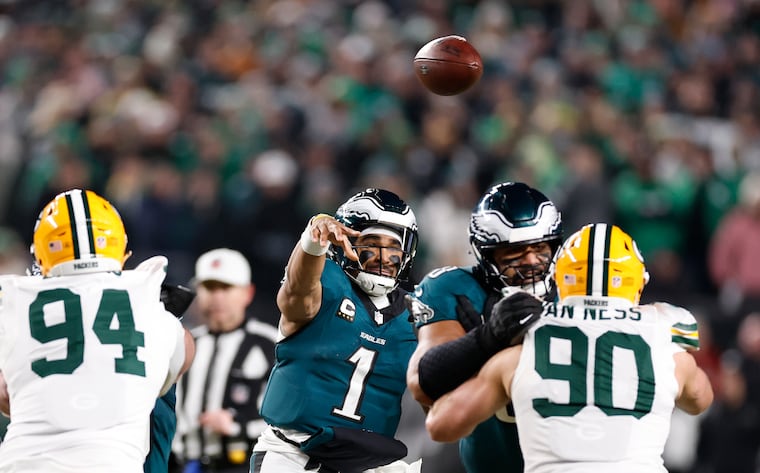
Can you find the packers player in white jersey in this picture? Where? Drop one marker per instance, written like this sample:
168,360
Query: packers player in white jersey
597,377
85,347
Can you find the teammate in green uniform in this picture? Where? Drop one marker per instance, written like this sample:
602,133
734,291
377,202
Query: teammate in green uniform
333,399
515,231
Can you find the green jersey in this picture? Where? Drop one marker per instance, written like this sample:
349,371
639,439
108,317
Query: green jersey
347,367
163,425
493,446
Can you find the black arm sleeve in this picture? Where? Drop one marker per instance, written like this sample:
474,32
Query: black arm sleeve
446,366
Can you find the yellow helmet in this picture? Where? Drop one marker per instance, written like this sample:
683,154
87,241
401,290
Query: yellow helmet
79,232
600,260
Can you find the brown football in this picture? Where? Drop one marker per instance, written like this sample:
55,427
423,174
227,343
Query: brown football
448,65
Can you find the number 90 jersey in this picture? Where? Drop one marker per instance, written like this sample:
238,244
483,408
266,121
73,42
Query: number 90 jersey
342,369
595,386
85,358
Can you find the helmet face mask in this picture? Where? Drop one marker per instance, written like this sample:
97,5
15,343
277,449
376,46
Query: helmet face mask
600,260
517,218
79,232
378,212
509,263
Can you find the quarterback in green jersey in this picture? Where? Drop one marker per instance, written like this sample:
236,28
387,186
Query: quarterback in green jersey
333,399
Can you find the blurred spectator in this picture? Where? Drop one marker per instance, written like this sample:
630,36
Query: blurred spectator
734,256
748,343
261,216
14,256
654,199
585,197
730,430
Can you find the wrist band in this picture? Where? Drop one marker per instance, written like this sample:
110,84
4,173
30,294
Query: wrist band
307,244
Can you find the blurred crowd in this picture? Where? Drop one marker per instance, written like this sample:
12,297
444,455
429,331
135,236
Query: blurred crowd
215,123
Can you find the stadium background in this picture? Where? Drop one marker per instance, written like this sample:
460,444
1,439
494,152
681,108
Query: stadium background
228,123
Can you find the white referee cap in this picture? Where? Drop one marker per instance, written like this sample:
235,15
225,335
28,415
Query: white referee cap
224,265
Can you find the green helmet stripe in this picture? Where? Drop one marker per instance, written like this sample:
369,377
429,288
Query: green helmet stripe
590,258
81,227
598,259
606,256
88,220
72,221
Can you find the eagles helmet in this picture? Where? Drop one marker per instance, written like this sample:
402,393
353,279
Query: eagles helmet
386,211
79,232
514,214
600,260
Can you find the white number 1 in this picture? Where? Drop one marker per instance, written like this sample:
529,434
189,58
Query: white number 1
364,360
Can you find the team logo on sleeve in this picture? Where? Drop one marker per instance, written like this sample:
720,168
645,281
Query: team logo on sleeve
421,313
347,310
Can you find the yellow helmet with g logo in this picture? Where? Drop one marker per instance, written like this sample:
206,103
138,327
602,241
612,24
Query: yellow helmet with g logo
79,232
600,260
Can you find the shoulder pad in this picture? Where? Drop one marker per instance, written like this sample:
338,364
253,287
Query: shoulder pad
154,265
4,281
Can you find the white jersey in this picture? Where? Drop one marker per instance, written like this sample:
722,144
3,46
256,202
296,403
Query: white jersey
595,386
85,358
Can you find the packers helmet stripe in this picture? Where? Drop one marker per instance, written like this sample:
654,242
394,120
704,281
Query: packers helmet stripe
81,230
606,252
598,260
74,236
88,221
590,268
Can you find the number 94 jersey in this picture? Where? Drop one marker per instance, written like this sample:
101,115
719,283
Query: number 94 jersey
85,358
595,386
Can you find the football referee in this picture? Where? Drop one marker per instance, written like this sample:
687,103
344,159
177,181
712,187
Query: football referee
218,398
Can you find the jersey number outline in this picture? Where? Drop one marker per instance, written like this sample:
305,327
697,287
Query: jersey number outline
113,303
576,372
363,360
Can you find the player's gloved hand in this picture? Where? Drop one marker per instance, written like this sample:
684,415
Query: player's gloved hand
177,298
466,313
510,319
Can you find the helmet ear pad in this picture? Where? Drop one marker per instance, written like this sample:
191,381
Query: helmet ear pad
79,232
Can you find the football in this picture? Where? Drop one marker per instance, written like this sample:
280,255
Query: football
448,65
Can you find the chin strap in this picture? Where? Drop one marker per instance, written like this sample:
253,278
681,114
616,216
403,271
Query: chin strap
375,285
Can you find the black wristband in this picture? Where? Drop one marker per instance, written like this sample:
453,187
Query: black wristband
444,367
